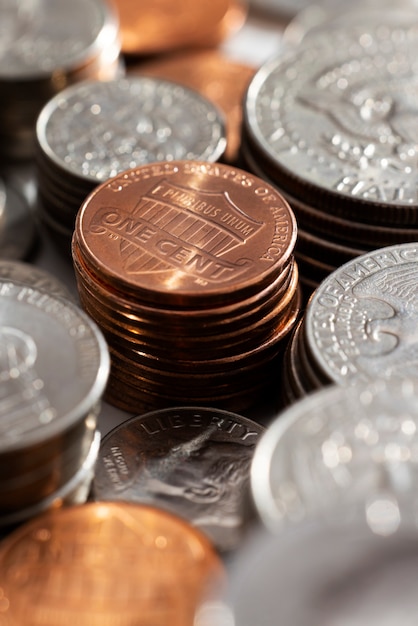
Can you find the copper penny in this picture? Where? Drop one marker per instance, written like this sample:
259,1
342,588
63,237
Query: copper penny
186,231
161,25
103,564
215,76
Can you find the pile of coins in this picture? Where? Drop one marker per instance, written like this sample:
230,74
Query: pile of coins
44,48
94,130
54,368
359,325
188,269
340,143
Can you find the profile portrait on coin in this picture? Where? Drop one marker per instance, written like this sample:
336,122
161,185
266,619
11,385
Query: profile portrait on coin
391,321
196,474
202,476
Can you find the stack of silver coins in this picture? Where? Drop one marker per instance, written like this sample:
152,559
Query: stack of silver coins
55,366
360,324
332,124
95,130
45,46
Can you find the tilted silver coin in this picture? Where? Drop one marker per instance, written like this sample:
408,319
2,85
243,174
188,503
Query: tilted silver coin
340,452
194,462
33,276
336,118
361,322
97,129
54,366
38,36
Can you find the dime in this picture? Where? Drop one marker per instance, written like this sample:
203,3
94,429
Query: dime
107,563
361,321
188,460
332,453
97,129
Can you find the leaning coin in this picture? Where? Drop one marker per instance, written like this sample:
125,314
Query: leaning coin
191,461
102,564
361,321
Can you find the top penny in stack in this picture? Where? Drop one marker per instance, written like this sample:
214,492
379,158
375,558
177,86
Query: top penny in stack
186,234
44,47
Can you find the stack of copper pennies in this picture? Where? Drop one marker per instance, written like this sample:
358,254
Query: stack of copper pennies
360,324
95,130
332,124
46,47
188,269
55,365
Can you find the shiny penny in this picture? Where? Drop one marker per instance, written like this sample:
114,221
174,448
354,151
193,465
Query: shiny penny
107,564
185,231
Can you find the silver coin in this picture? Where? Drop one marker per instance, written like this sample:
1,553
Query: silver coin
38,37
97,129
361,322
337,117
54,366
317,575
33,276
336,452
194,462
